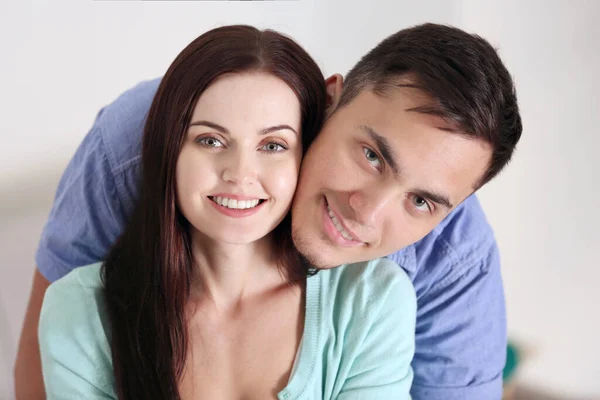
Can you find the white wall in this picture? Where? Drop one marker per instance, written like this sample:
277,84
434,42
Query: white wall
62,60
545,207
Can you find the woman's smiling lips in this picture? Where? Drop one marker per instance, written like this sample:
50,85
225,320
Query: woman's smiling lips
236,206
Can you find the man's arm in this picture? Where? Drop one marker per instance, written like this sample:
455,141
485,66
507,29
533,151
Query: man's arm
79,231
85,219
461,334
94,197
29,384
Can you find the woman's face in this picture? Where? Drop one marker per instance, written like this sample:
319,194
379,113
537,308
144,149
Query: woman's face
239,163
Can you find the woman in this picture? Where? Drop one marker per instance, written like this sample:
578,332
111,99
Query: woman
204,295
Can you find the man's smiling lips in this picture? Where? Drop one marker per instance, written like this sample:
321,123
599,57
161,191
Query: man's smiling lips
336,229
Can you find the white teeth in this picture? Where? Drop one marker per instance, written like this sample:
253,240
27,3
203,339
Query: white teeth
338,225
235,204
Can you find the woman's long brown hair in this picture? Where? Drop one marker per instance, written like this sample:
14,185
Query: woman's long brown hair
148,271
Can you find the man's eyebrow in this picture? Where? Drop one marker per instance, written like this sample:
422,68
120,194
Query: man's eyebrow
264,131
384,147
389,155
436,197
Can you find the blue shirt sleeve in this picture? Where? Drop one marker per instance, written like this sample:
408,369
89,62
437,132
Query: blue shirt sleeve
461,334
98,190
87,215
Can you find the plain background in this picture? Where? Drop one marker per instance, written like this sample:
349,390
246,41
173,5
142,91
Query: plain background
62,60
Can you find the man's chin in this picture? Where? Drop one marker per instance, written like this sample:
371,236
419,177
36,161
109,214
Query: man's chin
318,261
312,253
313,257
320,258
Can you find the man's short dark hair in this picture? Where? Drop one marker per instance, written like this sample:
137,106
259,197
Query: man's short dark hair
463,75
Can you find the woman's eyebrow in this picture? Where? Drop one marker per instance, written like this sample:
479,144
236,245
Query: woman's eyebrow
264,131
270,129
210,125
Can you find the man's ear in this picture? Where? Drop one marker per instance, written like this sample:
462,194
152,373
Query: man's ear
333,86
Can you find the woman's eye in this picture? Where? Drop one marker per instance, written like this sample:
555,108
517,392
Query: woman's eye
421,204
273,147
210,142
372,158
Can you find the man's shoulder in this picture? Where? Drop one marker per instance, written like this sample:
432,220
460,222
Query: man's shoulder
465,235
463,240
121,123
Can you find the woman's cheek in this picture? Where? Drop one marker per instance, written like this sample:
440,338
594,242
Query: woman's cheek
285,180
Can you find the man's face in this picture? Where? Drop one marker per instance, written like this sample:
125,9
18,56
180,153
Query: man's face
379,177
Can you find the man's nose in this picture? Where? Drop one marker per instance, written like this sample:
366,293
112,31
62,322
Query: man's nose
370,204
240,169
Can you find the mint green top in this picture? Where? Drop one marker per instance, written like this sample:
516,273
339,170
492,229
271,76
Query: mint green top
358,341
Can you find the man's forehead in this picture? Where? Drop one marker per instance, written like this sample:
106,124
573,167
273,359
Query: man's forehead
403,97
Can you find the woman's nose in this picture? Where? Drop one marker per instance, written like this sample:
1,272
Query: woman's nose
240,170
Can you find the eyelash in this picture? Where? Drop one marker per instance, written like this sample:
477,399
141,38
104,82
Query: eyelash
430,208
367,149
427,203
204,139
283,147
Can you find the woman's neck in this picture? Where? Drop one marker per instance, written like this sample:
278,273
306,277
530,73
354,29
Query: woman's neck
227,274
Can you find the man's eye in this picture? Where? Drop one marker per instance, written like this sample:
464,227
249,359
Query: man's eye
421,204
273,147
372,158
210,142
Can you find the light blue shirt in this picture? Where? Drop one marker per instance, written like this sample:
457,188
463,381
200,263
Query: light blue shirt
461,322
358,339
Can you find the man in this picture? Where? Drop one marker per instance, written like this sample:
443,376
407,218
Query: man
420,123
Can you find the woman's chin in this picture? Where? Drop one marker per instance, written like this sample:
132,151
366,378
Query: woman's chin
230,237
